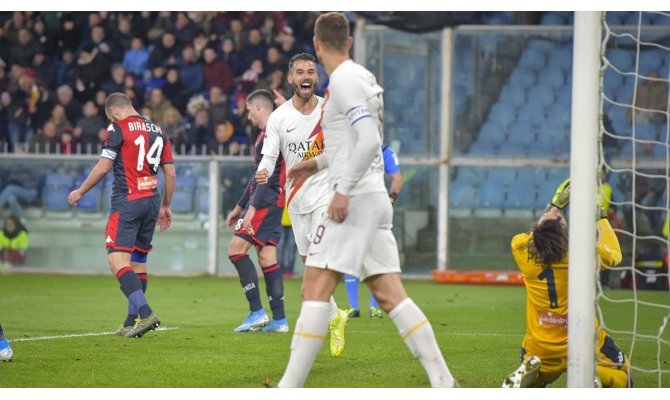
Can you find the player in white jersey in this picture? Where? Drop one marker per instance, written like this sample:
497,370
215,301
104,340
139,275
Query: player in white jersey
294,130
355,237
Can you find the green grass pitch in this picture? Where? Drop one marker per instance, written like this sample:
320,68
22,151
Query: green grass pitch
478,328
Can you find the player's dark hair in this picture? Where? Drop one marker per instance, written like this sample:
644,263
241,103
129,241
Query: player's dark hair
300,57
332,30
550,242
117,99
262,95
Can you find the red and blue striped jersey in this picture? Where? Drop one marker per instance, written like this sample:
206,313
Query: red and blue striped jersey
138,147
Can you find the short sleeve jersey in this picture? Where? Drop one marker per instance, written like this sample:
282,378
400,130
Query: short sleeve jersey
391,163
298,137
353,94
138,147
261,196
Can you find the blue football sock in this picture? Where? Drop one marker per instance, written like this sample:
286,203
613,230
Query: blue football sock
351,283
274,287
373,301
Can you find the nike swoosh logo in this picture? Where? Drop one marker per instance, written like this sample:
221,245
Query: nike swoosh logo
291,129
312,254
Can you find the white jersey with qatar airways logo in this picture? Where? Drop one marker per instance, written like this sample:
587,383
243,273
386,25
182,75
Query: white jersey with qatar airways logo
353,94
298,137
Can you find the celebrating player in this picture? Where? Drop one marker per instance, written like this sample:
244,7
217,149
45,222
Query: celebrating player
355,237
542,257
294,131
392,168
260,227
134,149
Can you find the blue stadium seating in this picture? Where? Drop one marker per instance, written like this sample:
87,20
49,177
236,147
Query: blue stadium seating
57,187
462,194
92,200
534,113
523,76
491,195
513,94
532,59
492,132
503,175
182,200
520,195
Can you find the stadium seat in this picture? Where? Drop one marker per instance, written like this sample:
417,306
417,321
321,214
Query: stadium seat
552,76
533,59
650,61
522,76
503,175
545,46
552,18
482,148
561,57
92,200
509,150
634,18
502,114
614,18
473,175
491,195
521,133
513,94
531,177
520,195
57,187
462,194
492,132
620,59
541,94
182,200
533,113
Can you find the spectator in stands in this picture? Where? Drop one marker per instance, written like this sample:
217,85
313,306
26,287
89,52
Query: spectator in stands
24,50
46,141
94,67
85,132
237,34
166,52
156,80
174,127
123,35
175,90
60,120
136,59
65,97
100,41
222,142
252,19
68,37
43,67
232,56
251,76
238,116
24,187
255,48
217,72
19,128
142,21
14,242
158,104
184,30
651,100
190,70
132,90
117,80
45,40
269,30
38,98
65,70
274,61
162,24
200,132
99,101
218,105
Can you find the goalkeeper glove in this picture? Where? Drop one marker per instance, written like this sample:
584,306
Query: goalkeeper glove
392,197
561,197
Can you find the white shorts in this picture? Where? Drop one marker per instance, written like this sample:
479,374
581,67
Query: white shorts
304,226
363,245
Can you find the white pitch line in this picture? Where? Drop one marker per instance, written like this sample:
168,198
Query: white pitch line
74,335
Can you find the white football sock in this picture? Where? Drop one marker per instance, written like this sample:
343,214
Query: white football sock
418,335
310,331
332,312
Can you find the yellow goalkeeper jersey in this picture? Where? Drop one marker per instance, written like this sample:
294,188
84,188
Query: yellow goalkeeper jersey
547,294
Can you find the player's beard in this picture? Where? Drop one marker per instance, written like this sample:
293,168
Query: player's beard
301,95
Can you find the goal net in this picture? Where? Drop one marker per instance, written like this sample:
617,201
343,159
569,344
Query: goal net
635,166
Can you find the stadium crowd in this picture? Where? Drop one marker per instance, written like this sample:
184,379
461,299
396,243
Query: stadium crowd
189,72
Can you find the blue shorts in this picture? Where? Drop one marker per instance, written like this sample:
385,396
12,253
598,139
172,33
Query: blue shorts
131,225
267,227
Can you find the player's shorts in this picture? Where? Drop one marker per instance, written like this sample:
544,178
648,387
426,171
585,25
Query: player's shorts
267,227
304,226
552,367
363,244
131,225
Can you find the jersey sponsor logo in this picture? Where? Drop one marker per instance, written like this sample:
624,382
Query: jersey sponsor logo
248,287
147,182
289,130
142,126
306,149
553,319
106,153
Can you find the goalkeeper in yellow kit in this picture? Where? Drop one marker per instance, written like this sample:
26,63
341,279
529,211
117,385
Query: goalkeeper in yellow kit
542,258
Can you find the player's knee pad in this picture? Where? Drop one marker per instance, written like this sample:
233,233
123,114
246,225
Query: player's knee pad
139,257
